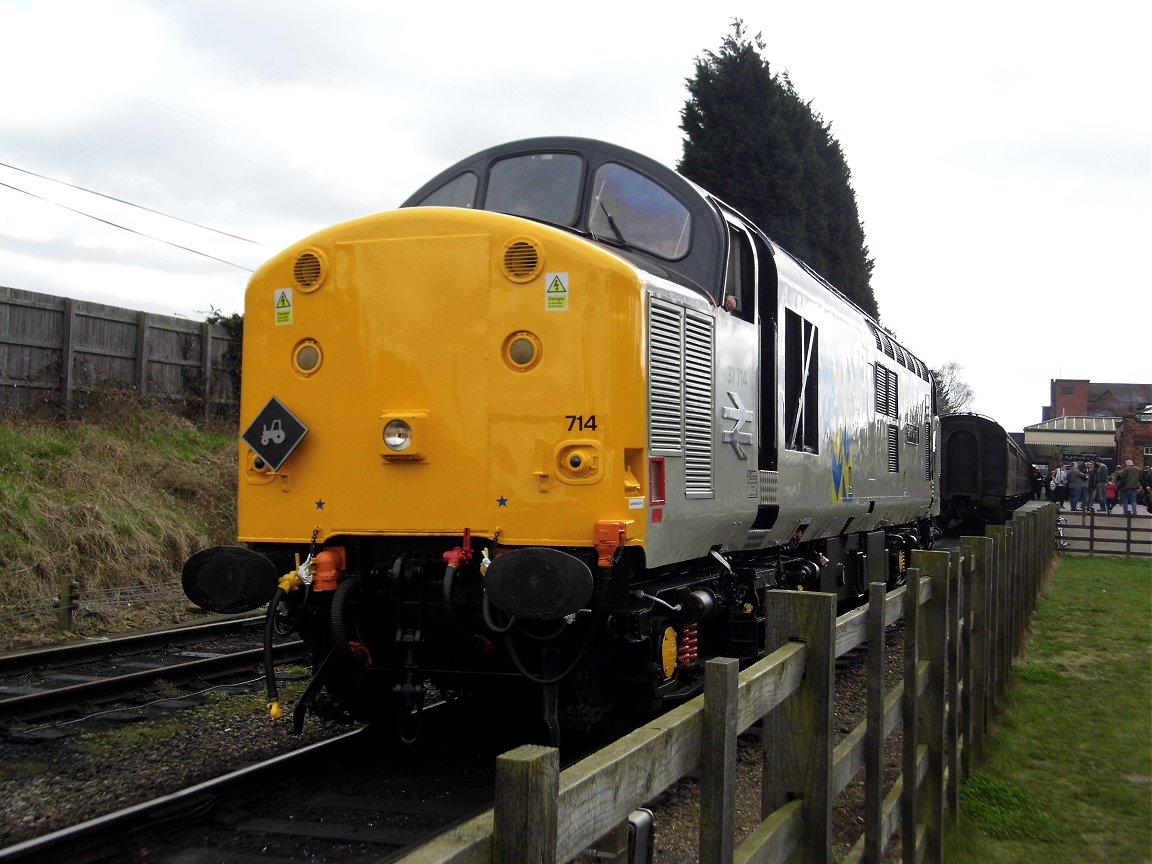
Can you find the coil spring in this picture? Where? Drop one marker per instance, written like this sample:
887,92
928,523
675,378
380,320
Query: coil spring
687,651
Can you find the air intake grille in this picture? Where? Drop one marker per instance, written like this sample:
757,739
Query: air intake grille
680,362
697,403
893,448
521,260
928,451
666,431
308,270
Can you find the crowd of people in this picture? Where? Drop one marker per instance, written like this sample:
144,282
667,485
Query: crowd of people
1093,486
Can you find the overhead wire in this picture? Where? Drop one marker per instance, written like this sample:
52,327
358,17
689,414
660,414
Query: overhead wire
128,203
125,227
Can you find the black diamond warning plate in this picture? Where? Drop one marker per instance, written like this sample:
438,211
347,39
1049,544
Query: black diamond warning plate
274,433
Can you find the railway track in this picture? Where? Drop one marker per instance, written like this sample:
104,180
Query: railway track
51,682
360,797
355,797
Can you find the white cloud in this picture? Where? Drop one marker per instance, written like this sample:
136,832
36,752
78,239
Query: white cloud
1000,152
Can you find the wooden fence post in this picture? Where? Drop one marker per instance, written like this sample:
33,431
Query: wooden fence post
963,613
931,635
798,733
874,730
1019,624
718,776
909,799
68,354
978,552
142,351
206,366
67,603
526,805
954,710
998,578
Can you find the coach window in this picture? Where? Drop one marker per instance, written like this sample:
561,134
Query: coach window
460,191
544,186
633,211
801,383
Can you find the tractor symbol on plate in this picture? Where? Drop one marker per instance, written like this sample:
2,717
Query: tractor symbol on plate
273,433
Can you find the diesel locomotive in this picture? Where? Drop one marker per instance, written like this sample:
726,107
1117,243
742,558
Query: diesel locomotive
558,426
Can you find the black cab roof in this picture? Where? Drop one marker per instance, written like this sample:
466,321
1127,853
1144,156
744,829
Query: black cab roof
629,202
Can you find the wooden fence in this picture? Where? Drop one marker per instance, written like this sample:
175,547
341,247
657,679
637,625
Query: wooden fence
965,613
1095,533
55,350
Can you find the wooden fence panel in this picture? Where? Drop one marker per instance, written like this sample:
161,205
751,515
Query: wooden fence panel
54,348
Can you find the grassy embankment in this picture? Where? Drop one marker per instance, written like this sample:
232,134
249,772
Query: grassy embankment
1068,774
116,500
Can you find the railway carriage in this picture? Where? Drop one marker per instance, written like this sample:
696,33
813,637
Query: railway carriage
985,476
559,424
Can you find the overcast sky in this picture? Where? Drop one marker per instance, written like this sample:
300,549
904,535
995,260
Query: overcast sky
1001,152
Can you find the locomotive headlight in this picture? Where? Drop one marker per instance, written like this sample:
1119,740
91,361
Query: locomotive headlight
398,435
405,436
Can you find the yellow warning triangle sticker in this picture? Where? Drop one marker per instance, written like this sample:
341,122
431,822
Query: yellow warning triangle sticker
282,302
556,286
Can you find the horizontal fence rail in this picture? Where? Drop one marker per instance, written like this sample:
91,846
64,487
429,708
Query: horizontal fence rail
55,349
965,614
1115,533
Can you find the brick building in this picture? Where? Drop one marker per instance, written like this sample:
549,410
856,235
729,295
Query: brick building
1082,398
1108,421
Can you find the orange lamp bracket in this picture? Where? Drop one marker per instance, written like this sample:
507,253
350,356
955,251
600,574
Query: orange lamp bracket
610,539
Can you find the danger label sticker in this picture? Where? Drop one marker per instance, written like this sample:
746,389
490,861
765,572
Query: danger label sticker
283,308
556,292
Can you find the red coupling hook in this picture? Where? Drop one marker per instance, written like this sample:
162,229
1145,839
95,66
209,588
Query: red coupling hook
461,555
361,651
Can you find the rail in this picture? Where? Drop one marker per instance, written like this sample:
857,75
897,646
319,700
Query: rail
966,614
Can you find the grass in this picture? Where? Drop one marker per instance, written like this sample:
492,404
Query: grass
1068,770
118,497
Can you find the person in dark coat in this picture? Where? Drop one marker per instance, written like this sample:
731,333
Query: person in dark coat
1090,488
1076,483
1128,484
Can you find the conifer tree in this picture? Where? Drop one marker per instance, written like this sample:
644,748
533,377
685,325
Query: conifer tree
753,142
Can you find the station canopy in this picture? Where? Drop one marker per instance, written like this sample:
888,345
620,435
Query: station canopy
1063,438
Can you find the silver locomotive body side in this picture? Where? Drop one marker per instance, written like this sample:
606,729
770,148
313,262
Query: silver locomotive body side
851,433
703,414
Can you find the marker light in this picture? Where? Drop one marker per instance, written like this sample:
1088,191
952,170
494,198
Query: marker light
522,350
306,356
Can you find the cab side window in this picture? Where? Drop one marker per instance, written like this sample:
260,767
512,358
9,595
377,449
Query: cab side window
740,276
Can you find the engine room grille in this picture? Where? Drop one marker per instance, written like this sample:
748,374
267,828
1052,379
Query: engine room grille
697,403
666,430
928,451
680,363
887,391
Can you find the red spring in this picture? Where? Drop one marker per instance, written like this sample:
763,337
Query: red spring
687,651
